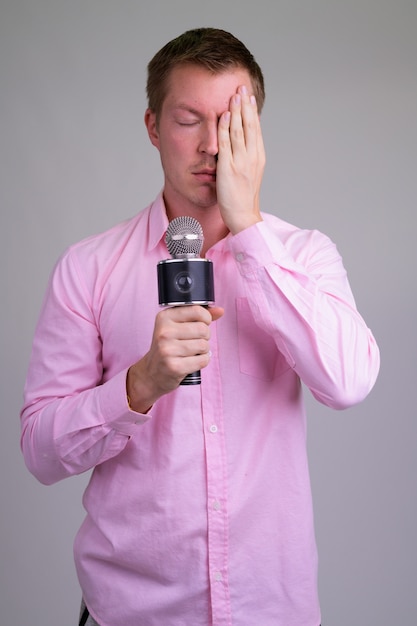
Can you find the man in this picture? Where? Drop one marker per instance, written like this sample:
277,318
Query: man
199,506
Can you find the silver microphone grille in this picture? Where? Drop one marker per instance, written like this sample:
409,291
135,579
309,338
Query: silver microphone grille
184,237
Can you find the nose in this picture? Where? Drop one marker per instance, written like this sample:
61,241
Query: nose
209,140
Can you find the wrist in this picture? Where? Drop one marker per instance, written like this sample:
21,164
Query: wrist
244,223
138,394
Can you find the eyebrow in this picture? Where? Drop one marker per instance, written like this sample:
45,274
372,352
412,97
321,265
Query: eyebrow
187,109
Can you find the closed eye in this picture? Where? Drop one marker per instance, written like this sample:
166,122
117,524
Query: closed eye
188,122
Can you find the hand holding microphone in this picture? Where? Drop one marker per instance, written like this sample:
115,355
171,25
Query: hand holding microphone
186,278
181,332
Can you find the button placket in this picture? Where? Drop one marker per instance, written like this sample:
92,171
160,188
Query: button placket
216,472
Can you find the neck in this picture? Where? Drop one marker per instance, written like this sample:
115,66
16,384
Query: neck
214,229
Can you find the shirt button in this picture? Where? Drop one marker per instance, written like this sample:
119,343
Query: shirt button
216,505
218,576
213,428
240,257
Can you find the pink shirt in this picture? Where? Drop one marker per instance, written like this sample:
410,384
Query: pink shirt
199,512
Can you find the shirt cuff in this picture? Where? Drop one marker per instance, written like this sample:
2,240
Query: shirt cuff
255,247
115,408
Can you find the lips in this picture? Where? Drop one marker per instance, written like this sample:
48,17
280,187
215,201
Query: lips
206,175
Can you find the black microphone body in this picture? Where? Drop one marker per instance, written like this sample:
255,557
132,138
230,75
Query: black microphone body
185,281
186,278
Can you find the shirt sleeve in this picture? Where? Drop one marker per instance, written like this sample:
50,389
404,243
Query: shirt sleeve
299,293
71,420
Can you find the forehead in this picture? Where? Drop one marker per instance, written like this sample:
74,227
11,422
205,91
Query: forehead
197,88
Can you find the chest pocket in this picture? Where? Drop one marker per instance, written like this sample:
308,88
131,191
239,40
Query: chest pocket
258,355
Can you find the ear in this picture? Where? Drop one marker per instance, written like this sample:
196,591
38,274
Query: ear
151,125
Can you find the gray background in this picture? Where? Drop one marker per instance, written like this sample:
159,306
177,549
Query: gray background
340,132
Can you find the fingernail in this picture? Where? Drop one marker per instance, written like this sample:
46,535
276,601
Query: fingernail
244,89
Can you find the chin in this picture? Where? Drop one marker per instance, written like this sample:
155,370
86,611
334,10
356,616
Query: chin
206,200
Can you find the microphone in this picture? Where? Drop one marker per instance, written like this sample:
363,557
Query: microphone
186,278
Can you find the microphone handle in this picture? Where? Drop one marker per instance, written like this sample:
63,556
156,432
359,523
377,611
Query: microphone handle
195,377
192,379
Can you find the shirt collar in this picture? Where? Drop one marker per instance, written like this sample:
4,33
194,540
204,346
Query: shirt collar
158,221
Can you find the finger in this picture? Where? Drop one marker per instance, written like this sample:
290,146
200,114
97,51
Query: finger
193,330
183,348
250,119
259,136
216,312
237,134
189,313
194,363
223,136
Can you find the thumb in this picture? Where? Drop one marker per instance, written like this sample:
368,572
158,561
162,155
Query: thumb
216,312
